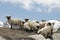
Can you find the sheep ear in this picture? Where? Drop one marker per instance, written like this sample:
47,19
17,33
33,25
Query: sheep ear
53,23
37,21
8,16
23,22
49,24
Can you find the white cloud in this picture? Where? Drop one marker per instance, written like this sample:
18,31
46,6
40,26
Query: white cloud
38,9
25,3
50,3
28,4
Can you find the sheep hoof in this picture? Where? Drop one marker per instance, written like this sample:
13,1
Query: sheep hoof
11,28
46,37
51,37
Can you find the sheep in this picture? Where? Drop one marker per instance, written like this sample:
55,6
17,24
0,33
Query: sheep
47,30
42,24
31,25
14,21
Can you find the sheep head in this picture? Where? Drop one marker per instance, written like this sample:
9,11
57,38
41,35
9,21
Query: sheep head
8,17
26,20
48,24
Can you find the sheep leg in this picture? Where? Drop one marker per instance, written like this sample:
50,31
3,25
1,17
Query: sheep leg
19,27
50,36
52,31
45,35
11,27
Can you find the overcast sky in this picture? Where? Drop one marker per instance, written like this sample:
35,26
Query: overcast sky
32,9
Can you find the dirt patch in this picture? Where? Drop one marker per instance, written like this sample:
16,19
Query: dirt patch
10,34
13,34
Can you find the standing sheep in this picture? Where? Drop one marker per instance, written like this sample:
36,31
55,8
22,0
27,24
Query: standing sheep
47,30
13,21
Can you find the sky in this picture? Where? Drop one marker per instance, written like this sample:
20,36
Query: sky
31,9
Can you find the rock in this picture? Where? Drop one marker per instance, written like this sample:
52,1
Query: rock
56,36
1,38
38,37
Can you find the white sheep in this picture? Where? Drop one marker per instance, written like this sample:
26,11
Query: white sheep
13,21
47,30
31,25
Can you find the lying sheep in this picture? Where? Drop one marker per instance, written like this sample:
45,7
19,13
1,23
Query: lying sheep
47,30
31,25
13,21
